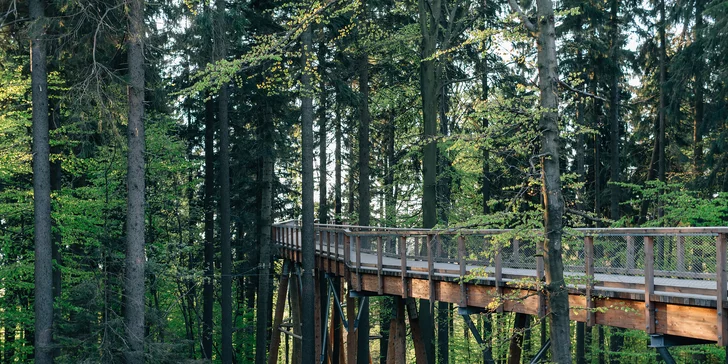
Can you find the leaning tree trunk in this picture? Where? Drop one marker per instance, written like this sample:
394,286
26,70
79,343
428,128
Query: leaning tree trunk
41,189
135,260
307,232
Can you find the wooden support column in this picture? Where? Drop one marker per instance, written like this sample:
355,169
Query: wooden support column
397,347
419,343
275,341
317,318
589,262
650,326
351,335
722,322
515,348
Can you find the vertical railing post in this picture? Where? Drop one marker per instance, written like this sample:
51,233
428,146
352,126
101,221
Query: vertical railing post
347,259
630,252
430,266
417,247
649,284
336,251
380,254
680,240
499,275
321,246
463,270
403,262
516,257
540,278
358,261
722,326
589,269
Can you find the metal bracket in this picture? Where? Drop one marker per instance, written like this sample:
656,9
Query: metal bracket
338,302
465,313
541,353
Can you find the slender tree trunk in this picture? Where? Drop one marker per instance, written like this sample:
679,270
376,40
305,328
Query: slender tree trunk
429,20
323,144
614,113
364,193
264,283
337,166
485,185
135,260
307,232
699,92
661,167
558,297
226,250
208,292
43,276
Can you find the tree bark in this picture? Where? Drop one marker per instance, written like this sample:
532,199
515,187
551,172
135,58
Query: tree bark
43,276
307,232
135,259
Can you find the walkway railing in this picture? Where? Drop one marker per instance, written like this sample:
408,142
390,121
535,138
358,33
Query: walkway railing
656,263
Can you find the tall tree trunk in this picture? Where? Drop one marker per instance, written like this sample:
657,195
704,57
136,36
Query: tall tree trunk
485,185
43,276
699,92
307,232
208,288
614,113
264,283
226,250
661,167
364,193
429,20
323,204
337,166
135,260
443,187
558,297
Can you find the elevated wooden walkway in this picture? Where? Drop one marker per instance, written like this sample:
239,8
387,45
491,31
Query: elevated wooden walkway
660,280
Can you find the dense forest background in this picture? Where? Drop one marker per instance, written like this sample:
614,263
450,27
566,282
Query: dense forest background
176,132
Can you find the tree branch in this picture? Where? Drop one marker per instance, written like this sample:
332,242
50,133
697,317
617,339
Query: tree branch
524,18
582,93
